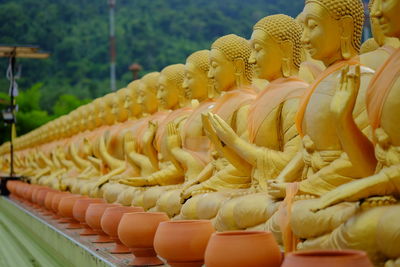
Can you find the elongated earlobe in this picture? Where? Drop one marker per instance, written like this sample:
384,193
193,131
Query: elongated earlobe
286,71
345,47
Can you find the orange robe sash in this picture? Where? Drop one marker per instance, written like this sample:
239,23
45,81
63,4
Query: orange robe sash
273,95
161,131
380,86
306,98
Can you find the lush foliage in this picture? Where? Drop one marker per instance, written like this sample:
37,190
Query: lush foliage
152,33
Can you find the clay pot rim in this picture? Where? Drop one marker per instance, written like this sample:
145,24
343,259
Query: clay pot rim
187,222
347,253
242,233
121,208
73,197
97,205
92,199
145,213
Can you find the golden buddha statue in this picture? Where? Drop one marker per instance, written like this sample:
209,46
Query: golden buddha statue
271,139
230,73
387,45
332,34
106,150
137,139
370,222
171,96
187,145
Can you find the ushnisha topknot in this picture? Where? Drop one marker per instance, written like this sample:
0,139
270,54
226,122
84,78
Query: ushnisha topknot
201,59
235,47
283,28
174,73
342,8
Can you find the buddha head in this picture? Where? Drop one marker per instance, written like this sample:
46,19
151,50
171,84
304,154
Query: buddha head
276,47
119,105
378,34
98,111
196,83
386,14
74,121
82,114
110,111
135,109
170,93
229,63
332,29
147,92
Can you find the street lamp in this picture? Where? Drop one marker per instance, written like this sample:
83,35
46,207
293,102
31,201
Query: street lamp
12,52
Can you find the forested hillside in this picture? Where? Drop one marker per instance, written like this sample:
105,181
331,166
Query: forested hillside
153,33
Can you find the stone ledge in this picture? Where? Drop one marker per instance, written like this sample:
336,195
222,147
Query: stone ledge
37,241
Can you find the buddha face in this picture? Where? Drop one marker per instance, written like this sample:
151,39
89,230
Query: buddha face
146,98
386,12
194,82
266,56
321,35
127,101
167,93
222,71
97,112
104,115
122,114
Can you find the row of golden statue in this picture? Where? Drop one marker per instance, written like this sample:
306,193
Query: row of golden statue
293,131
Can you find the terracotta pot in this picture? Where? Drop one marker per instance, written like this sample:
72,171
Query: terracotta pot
93,218
39,197
33,195
12,185
110,221
20,191
183,243
65,208
42,197
56,200
242,249
49,199
79,212
137,231
26,192
327,258
41,200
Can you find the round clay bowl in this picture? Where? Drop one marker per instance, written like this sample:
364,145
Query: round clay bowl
26,192
183,243
93,218
137,231
79,212
327,258
56,200
20,190
12,185
41,196
110,221
65,209
242,249
49,199
32,194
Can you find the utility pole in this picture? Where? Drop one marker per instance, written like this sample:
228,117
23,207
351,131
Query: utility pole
113,53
